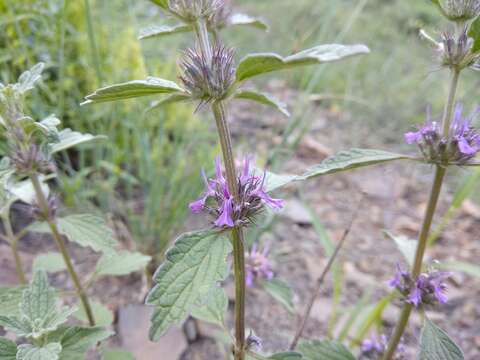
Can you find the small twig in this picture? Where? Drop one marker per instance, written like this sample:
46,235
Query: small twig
320,280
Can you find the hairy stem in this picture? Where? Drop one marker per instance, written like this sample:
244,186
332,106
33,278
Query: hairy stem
427,221
57,237
237,233
13,240
201,32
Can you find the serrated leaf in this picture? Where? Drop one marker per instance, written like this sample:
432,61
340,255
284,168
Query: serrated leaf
168,100
49,262
8,349
84,229
121,263
281,292
247,20
288,355
103,315
39,299
50,351
27,80
275,181
262,98
114,354
78,340
323,350
195,264
435,344
407,246
257,64
15,325
133,89
214,309
163,30
10,299
474,33
67,138
351,159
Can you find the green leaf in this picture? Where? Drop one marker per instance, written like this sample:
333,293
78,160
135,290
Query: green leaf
351,159
10,299
275,181
257,64
78,340
31,352
103,315
214,309
8,349
407,246
27,80
121,263
262,98
474,33
435,344
247,20
69,138
114,354
163,30
15,325
289,355
281,292
162,3
133,89
192,267
323,350
85,230
372,316
24,190
39,299
168,100
49,262
467,268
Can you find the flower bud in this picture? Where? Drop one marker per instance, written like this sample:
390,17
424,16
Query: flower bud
455,52
192,10
30,159
461,10
208,80
38,213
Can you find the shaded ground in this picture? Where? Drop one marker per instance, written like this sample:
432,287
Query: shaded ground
394,199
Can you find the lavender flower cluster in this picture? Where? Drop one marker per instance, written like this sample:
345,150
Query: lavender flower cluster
257,265
374,348
460,145
227,210
427,289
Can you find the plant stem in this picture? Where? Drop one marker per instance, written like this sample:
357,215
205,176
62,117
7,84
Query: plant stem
13,240
237,233
201,32
427,221
57,237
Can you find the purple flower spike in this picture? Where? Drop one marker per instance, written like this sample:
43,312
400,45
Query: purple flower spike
257,266
230,212
460,145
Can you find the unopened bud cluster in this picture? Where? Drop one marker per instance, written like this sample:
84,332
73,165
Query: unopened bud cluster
460,10
456,50
30,159
38,214
208,79
193,10
459,146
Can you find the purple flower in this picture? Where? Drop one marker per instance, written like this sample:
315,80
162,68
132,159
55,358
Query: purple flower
427,288
460,145
227,210
257,265
375,347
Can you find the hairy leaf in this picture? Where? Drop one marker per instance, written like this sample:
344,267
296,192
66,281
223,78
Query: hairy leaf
281,292
133,89
247,20
10,298
77,340
50,351
435,344
351,159
406,246
168,100
323,350
69,138
103,315
38,300
121,263
163,30
114,354
8,349
262,98
289,355
214,309
195,263
15,325
257,64
49,262
474,33
275,181
162,3
27,80
85,230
